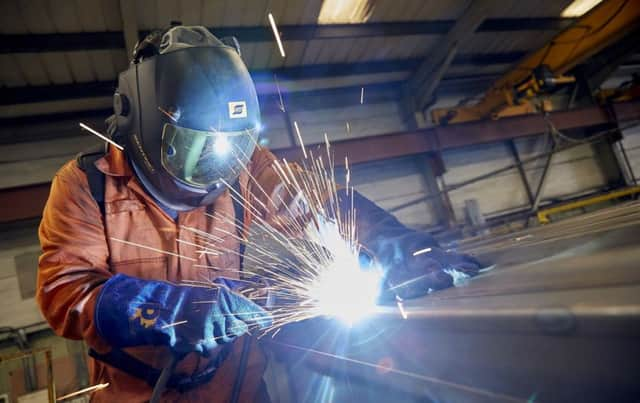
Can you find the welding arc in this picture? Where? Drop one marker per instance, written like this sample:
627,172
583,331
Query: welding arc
430,379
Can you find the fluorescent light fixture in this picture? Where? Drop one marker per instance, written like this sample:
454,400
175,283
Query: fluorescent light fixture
345,11
276,33
579,7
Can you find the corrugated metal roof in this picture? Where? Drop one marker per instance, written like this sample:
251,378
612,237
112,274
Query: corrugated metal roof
51,16
61,67
84,66
532,9
414,10
507,41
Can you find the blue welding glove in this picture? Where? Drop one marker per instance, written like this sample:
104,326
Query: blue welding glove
134,312
413,262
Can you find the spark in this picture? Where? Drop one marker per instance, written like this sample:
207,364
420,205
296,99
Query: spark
102,136
181,322
421,251
361,95
276,33
138,245
304,150
400,304
84,391
172,116
281,106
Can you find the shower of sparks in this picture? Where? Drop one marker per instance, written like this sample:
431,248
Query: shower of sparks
84,391
306,262
317,274
276,34
102,136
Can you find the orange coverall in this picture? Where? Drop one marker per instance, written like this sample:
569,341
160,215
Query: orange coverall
78,256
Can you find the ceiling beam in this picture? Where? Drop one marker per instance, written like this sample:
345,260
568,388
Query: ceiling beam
425,80
28,201
47,126
18,95
439,138
297,101
20,43
129,24
39,127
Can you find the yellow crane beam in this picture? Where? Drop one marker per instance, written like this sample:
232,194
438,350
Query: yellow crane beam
604,25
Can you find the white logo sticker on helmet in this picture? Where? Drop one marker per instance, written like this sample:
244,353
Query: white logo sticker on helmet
237,109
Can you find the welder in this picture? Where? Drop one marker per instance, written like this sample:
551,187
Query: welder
185,100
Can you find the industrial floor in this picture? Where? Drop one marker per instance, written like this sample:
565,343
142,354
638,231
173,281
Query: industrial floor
556,320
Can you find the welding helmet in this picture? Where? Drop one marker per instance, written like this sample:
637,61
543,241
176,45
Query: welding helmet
187,113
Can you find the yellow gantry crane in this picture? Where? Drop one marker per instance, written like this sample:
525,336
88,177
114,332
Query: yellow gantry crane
604,25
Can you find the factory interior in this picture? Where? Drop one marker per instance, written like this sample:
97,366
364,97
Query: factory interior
506,130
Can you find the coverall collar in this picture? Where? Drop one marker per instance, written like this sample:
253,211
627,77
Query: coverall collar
114,163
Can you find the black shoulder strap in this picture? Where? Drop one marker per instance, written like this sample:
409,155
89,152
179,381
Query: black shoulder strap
238,209
86,162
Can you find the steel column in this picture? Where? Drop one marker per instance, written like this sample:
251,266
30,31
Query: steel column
523,175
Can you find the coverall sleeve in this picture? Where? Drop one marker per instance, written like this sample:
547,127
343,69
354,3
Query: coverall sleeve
74,260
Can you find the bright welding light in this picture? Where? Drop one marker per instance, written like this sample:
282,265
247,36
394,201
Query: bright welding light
346,292
221,146
343,289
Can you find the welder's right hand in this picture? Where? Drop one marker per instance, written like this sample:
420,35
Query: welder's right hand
134,312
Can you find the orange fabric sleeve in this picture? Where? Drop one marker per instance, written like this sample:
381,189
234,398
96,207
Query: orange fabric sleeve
74,260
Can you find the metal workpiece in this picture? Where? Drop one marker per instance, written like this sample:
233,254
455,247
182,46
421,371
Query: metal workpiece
557,319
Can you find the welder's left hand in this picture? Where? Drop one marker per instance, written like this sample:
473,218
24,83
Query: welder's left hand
413,271
413,262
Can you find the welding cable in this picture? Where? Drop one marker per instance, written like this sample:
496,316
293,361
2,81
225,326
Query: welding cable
165,375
